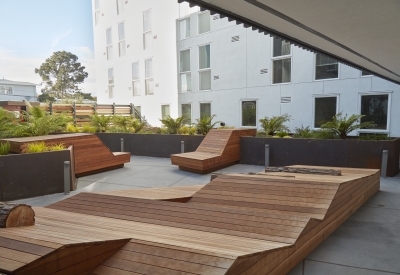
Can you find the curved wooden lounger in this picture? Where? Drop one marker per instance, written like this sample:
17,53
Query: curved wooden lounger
91,155
220,148
237,224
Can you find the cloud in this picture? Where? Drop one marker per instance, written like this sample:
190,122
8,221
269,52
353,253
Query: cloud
58,38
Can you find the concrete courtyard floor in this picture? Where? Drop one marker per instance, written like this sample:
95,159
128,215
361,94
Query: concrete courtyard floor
367,243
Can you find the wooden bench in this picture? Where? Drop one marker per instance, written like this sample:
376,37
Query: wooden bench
91,155
219,149
262,223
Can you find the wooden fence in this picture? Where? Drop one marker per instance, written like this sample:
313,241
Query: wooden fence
81,112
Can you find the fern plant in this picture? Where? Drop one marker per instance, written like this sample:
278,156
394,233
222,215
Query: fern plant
275,124
204,124
173,125
8,122
101,123
127,124
342,126
304,132
4,148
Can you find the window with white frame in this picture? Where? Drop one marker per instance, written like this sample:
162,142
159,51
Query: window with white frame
184,68
205,110
111,82
109,43
375,107
96,12
147,33
325,108
281,61
205,67
135,79
149,82
184,28
326,67
165,111
121,37
203,22
249,113
120,7
187,113
6,90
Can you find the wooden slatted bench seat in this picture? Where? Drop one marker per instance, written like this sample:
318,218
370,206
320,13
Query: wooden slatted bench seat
91,155
219,149
237,224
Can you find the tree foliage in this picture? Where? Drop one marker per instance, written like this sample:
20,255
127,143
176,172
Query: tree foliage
62,73
342,126
8,121
204,124
275,124
46,97
173,125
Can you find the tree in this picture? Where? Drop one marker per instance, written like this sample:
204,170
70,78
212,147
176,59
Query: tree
45,97
62,73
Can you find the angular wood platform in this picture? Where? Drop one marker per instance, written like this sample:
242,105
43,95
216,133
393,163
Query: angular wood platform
91,155
262,223
220,148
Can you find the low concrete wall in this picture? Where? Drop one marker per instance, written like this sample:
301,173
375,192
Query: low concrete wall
31,175
152,145
341,153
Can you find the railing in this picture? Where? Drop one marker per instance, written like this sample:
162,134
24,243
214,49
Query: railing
81,112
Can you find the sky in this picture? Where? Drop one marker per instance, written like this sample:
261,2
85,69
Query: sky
31,30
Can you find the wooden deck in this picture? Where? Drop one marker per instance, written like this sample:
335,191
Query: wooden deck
263,223
90,153
219,149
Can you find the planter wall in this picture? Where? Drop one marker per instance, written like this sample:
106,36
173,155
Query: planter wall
31,175
341,153
152,145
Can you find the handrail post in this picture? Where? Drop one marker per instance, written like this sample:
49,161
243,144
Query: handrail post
67,177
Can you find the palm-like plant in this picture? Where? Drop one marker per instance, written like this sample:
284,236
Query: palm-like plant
128,124
342,126
173,125
101,123
275,124
204,124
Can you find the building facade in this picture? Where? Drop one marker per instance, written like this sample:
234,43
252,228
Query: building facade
203,65
17,91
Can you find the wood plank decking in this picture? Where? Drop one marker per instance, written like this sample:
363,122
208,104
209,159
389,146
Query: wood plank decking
237,224
219,149
90,153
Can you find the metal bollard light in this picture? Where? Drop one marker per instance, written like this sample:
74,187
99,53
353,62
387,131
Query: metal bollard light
266,155
67,177
122,145
385,155
182,147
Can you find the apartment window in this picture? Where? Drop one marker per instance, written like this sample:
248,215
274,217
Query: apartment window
184,28
375,108
281,61
365,73
147,34
204,22
165,111
120,6
149,83
325,108
111,82
326,67
205,110
109,44
97,12
187,113
205,67
135,79
121,37
138,112
184,68
6,90
249,113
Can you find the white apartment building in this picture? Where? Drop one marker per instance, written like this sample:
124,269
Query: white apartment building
204,64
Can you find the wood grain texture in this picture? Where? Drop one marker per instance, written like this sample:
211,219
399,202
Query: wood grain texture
220,148
16,215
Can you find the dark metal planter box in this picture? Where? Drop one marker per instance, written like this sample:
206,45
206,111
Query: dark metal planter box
341,153
151,145
31,175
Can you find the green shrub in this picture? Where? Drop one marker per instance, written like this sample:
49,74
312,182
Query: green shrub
324,134
57,147
226,127
275,124
204,124
173,125
281,134
261,134
36,147
342,126
8,122
4,148
374,136
72,129
187,130
101,123
304,132
86,128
